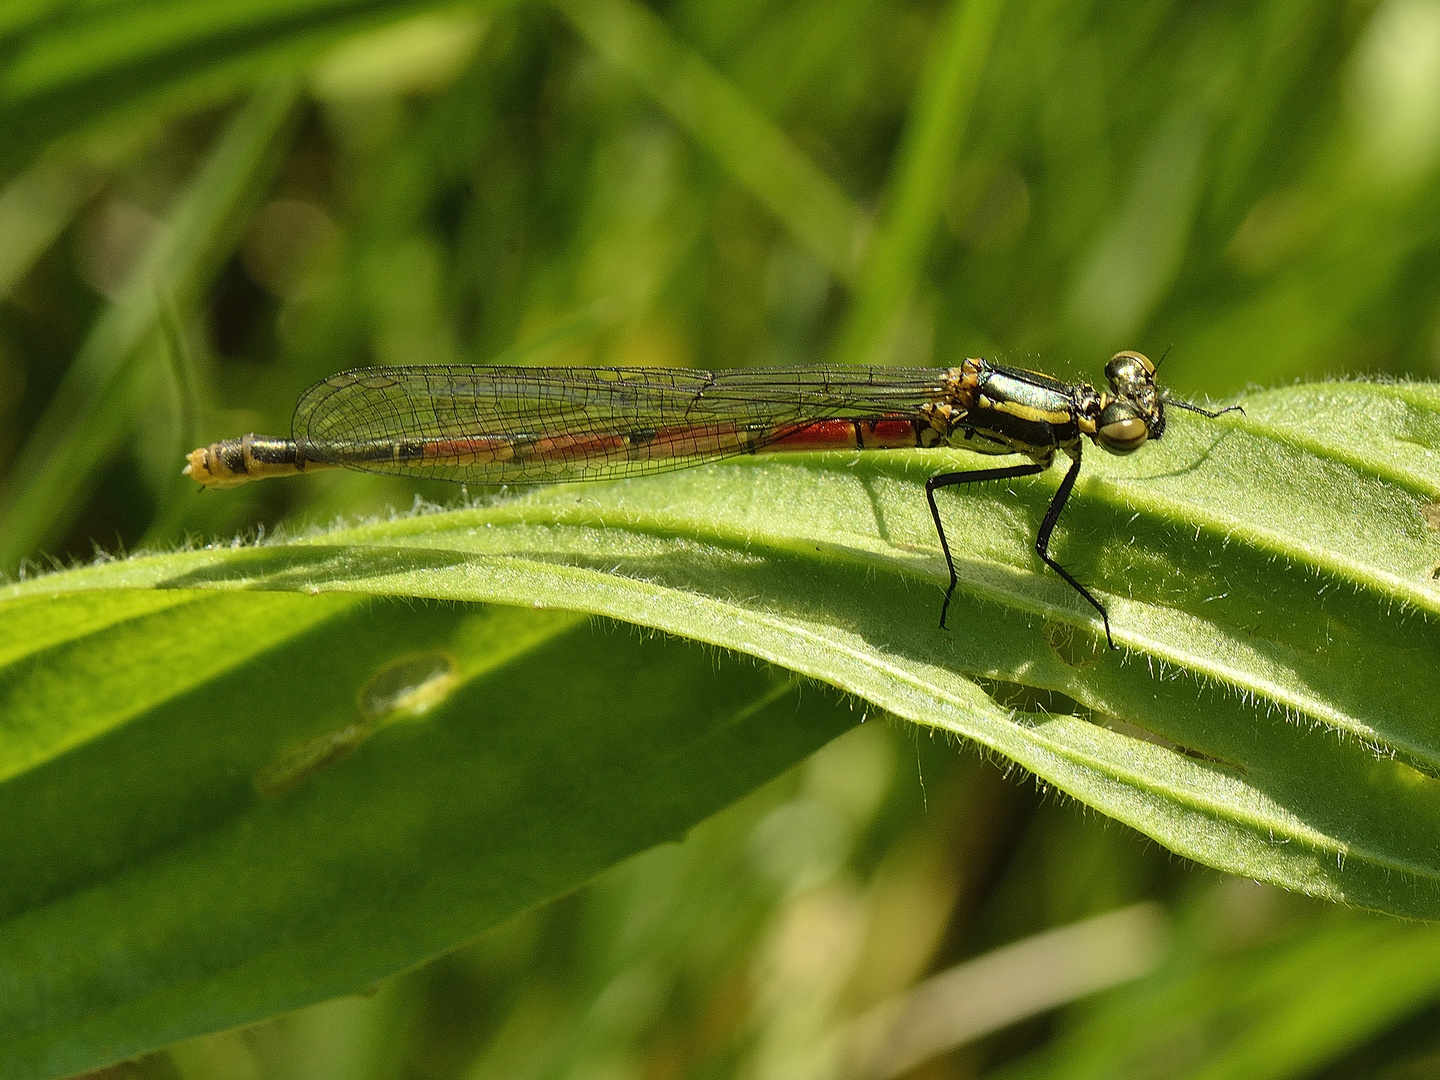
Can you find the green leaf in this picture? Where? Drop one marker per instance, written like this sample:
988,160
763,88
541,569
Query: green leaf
191,762
219,806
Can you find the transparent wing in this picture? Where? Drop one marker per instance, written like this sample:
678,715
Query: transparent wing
498,425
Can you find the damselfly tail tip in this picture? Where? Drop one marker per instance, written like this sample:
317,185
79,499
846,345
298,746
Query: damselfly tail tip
206,465
197,467
232,462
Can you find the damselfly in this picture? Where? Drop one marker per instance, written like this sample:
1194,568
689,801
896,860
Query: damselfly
538,425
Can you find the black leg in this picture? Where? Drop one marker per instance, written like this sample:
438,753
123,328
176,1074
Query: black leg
935,483
1042,539
1042,545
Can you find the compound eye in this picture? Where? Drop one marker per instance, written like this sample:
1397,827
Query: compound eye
1128,370
1120,431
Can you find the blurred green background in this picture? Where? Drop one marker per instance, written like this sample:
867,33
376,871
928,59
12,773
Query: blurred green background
207,207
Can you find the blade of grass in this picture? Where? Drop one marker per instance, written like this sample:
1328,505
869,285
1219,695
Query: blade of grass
73,68
35,208
1136,258
1012,983
573,327
87,418
1279,1010
183,379
939,114
750,146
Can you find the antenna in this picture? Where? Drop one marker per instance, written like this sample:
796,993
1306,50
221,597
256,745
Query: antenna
1172,403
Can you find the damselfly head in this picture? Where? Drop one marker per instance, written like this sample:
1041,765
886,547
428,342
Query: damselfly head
1133,412
1130,373
1121,429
